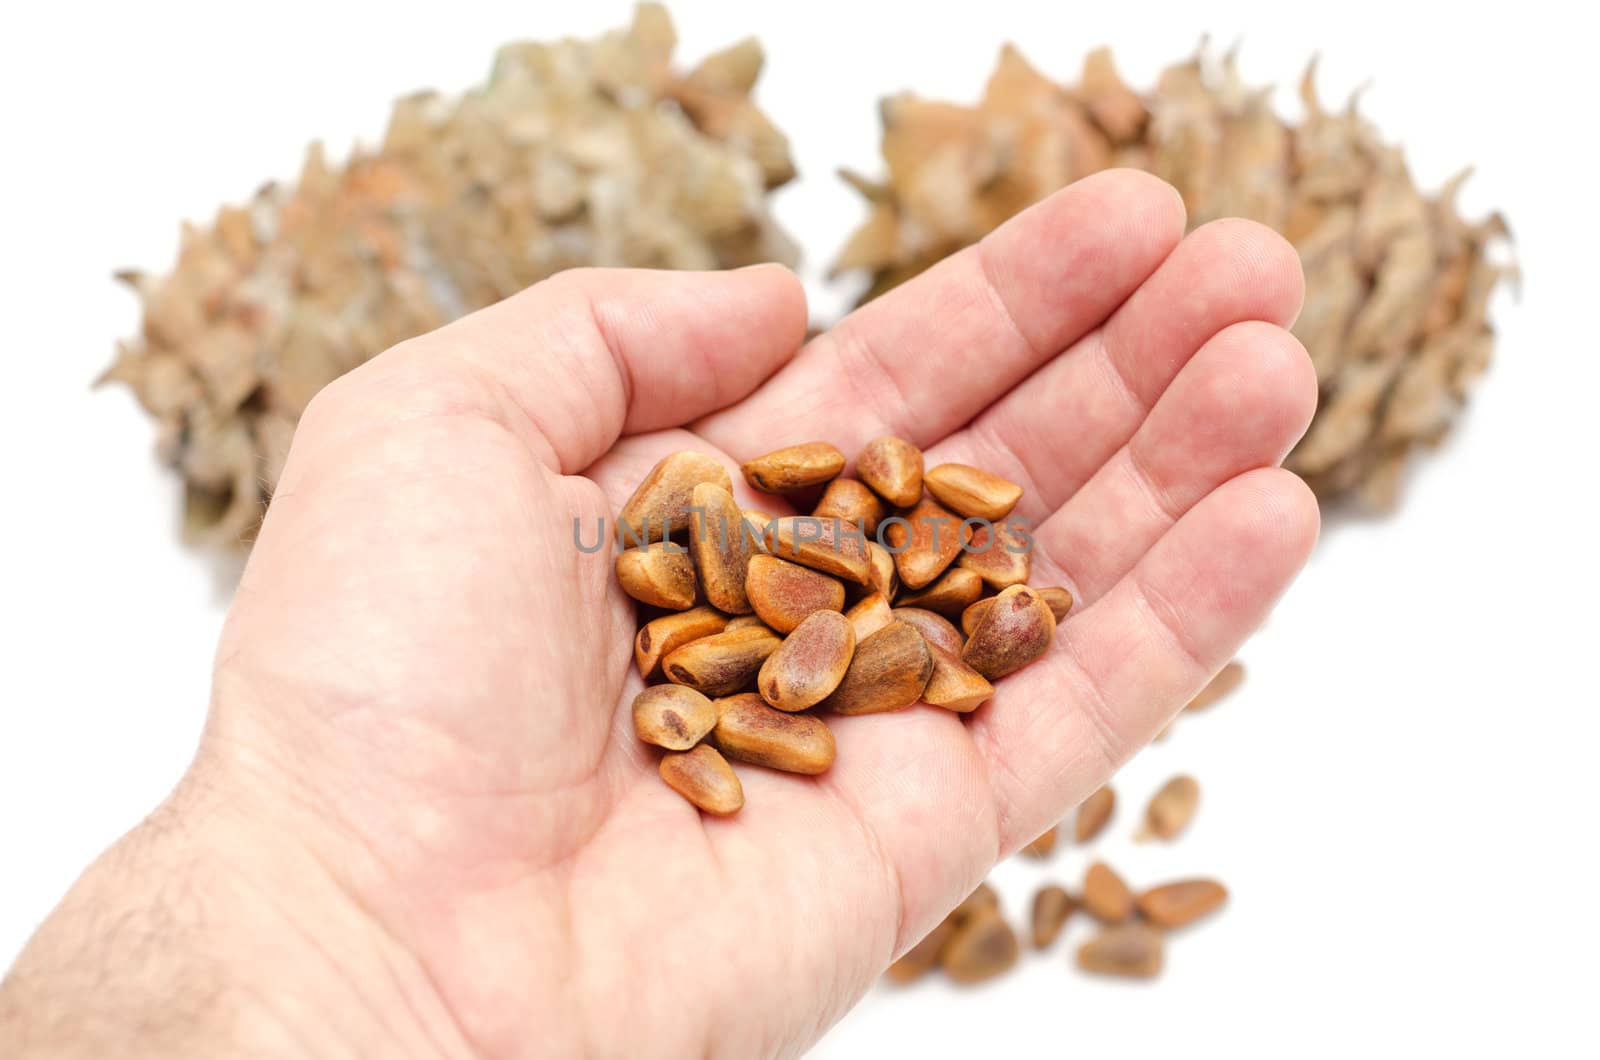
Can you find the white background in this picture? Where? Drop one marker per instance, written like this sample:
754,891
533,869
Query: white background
1402,796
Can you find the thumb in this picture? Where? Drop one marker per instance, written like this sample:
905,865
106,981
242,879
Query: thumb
575,362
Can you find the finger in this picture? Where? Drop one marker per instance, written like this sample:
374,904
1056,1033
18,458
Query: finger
1241,403
926,357
1053,432
588,355
938,801
1129,662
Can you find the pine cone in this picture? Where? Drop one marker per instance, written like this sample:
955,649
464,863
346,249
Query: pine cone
1397,282
574,153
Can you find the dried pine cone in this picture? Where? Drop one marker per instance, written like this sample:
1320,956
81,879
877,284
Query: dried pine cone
1397,283
574,153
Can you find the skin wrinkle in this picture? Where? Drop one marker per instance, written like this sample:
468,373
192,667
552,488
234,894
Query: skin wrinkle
244,880
1004,813
566,923
621,618
1037,352
291,1027
1113,373
1108,742
511,889
573,349
470,395
622,381
291,491
1000,419
893,882
326,810
310,939
574,941
1169,621
1129,216
726,884
403,991
324,807
644,788
1167,512
901,942
379,757
610,342
862,362
545,452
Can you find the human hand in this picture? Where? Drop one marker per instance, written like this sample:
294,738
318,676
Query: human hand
419,821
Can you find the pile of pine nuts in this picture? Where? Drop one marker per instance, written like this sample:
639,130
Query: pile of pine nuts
901,585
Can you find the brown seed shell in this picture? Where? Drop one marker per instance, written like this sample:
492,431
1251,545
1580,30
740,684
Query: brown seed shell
869,614
756,528
1227,679
749,622
661,637
982,947
785,594
1043,845
1057,599
828,545
893,468
852,501
884,578
1182,902
1011,634
721,549
982,899
954,685
1132,950
748,730
705,778
1171,809
954,591
1094,813
935,629
659,574
810,662
921,959
672,716
972,492
1105,896
925,541
973,614
889,671
999,553
723,663
794,467
660,506
1052,908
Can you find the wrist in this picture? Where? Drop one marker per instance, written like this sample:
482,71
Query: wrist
215,927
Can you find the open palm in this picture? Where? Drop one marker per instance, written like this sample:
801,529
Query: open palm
428,673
